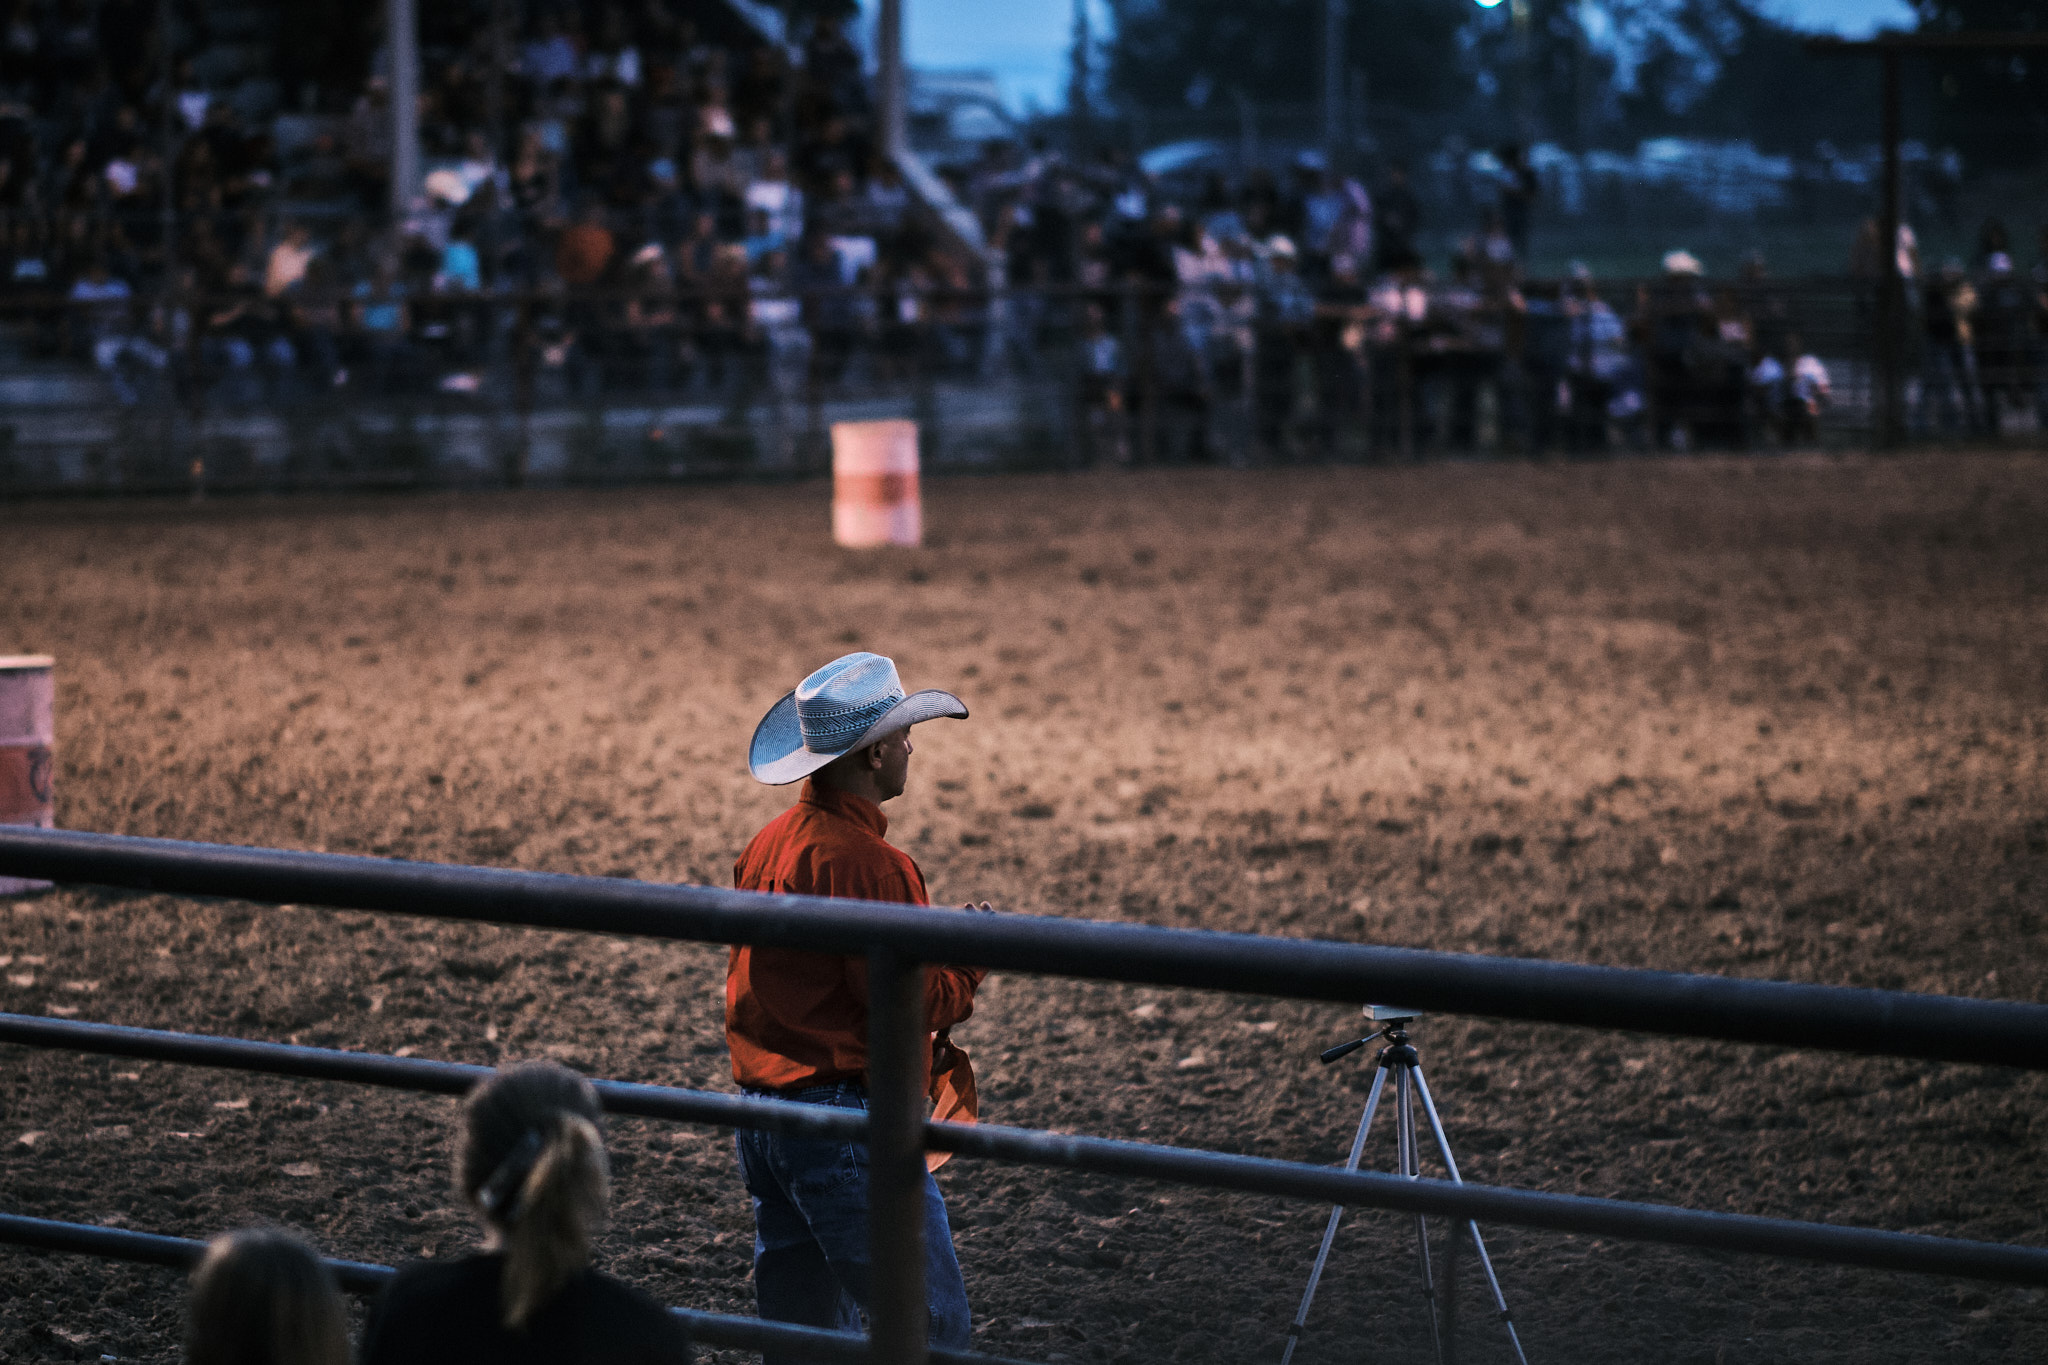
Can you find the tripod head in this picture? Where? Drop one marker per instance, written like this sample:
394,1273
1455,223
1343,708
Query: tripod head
1394,1021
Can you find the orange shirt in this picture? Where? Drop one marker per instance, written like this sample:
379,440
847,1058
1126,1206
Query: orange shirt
798,1018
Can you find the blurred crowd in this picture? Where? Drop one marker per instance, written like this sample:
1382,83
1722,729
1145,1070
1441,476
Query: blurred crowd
649,199
1977,334
1295,316
660,198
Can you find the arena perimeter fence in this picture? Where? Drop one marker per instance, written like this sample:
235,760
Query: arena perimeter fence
897,940
224,393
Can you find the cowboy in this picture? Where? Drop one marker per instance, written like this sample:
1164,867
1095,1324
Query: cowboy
797,1022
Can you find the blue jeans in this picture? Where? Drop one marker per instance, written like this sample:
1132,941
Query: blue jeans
811,1229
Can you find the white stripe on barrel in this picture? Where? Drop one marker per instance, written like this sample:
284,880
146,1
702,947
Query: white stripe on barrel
28,736
874,484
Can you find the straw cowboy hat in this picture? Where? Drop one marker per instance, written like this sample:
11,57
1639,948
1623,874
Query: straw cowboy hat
848,704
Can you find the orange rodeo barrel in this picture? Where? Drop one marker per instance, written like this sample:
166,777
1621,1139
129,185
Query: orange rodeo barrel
28,732
874,484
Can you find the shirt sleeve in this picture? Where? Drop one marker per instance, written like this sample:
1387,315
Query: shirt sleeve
948,991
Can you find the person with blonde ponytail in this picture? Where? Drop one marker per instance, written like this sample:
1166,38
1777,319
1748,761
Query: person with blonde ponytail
532,1166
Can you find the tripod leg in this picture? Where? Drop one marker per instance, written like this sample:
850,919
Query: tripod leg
1315,1276
1411,1166
1443,1146
1449,1296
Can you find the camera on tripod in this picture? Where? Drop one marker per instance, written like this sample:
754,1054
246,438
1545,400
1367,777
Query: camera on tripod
1411,1092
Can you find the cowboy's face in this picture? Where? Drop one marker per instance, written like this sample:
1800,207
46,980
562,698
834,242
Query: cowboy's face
891,763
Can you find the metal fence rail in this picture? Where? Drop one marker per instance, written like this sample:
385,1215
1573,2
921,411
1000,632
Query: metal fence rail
611,386
897,940
1883,1023
723,1330
1217,1170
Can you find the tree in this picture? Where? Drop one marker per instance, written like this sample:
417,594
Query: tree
1994,109
1722,69
1177,53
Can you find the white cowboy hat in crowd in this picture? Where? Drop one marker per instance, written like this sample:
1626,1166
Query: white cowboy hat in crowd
848,704
1682,263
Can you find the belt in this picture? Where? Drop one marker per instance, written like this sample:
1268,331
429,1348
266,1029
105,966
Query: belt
803,1088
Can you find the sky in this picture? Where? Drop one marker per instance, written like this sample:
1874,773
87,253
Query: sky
1025,42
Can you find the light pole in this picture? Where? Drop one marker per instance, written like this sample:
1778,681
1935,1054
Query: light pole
889,75
1334,14
1523,98
402,41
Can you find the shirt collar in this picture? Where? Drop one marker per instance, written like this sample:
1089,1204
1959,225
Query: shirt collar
858,809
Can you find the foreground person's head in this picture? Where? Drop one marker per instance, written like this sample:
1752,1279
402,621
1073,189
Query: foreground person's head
262,1297
533,1167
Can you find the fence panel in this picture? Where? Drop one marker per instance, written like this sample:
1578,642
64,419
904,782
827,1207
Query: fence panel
197,394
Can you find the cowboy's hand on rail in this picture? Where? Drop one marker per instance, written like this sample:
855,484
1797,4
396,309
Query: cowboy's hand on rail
982,909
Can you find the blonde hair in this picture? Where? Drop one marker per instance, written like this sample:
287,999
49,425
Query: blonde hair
533,1164
262,1297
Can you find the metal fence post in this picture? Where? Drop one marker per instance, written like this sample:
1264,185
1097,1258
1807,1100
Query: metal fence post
897,1048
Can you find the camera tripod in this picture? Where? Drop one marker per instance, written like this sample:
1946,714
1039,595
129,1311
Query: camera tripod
1411,1092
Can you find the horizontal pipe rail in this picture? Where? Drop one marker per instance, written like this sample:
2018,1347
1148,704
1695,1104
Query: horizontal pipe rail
1870,1247
723,1330
1889,1023
418,1074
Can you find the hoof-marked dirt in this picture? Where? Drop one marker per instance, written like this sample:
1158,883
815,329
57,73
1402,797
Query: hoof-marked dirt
1777,719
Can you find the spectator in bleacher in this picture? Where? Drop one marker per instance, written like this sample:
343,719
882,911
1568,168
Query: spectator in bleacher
262,1297
21,46
288,260
1605,377
1102,392
315,313
368,144
652,319
832,67
383,323
105,307
1993,239
833,310
532,1168
536,175
724,332
1175,383
696,251
715,175
2005,340
549,56
1337,341
1793,387
584,253
1283,332
1948,380
1675,321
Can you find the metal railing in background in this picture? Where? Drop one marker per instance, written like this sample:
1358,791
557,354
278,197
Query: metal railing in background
1101,1156
220,393
897,939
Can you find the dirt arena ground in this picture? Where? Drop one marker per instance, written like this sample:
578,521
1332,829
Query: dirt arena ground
1779,719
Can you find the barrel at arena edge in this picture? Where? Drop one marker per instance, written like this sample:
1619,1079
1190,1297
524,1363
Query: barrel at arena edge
28,736
874,484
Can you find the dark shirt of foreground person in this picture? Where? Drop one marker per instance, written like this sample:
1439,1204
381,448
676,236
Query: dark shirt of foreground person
531,1165
450,1314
